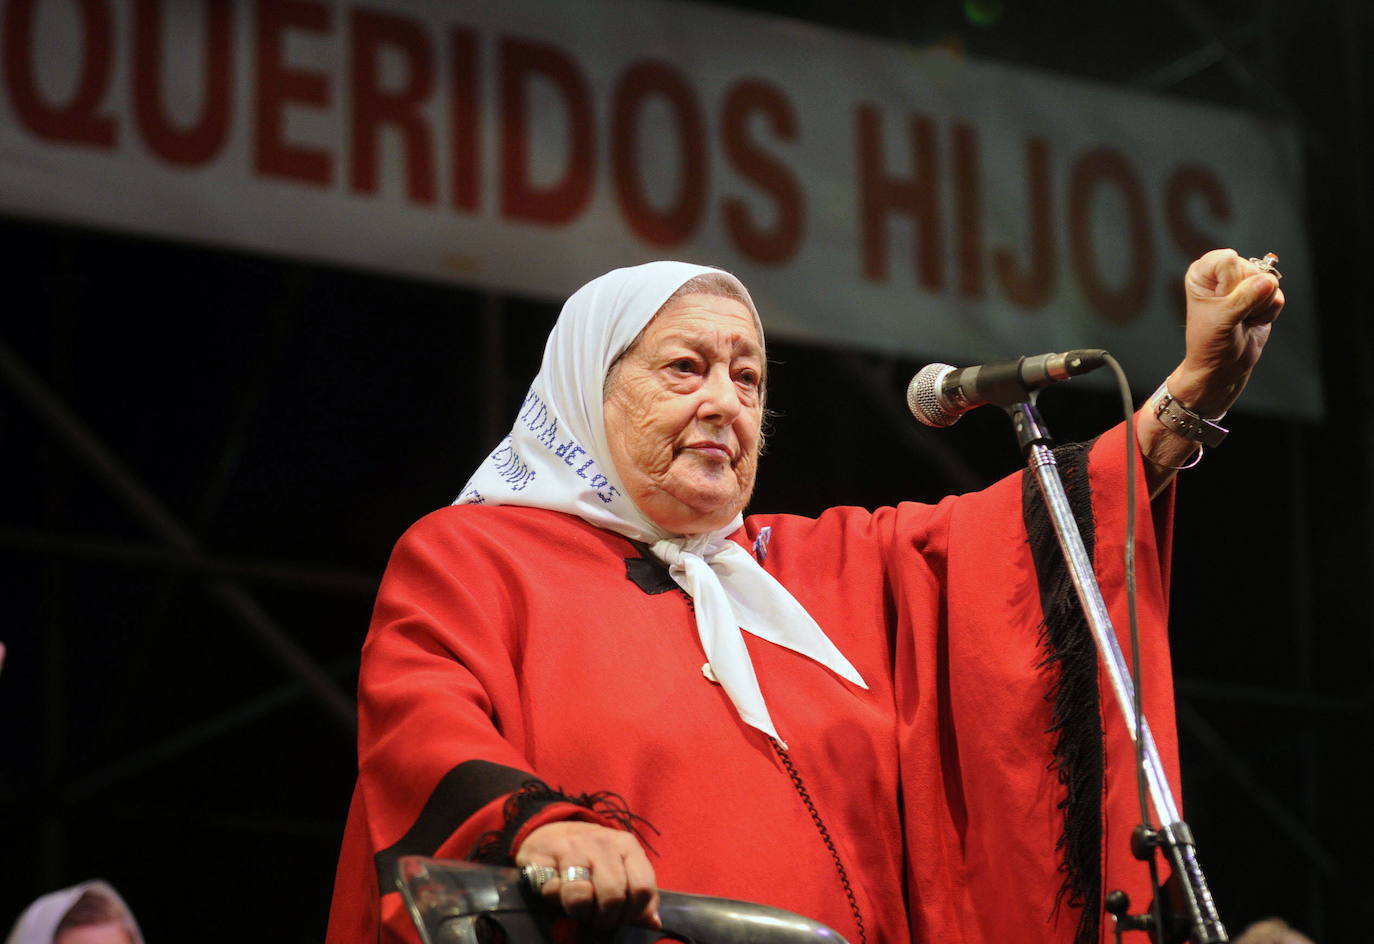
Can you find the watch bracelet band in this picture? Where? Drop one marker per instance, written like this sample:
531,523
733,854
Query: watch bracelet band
1176,417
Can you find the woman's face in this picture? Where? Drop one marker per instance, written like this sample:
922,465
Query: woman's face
683,410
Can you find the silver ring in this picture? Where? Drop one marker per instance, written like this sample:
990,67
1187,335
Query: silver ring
1268,264
577,873
537,876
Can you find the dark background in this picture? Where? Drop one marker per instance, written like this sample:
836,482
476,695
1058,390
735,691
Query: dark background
293,419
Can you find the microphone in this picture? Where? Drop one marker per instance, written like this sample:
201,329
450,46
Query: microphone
938,395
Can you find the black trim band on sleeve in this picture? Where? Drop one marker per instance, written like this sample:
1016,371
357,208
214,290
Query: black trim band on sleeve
1067,642
459,794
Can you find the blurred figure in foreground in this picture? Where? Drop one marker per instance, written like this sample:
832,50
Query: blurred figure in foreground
89,913
1272,931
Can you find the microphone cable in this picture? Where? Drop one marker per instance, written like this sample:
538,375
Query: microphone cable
1133,454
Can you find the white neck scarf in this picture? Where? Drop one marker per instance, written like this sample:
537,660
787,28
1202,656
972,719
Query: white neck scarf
557,457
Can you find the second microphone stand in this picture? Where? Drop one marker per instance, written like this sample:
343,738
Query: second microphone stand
1190,913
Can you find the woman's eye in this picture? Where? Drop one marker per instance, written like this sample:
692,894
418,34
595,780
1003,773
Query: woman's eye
684,365
748,377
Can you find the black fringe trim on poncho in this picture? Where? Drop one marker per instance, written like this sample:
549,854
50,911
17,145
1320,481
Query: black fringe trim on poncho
1068,646
494,847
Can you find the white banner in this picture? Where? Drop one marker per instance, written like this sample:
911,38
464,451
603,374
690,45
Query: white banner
871,195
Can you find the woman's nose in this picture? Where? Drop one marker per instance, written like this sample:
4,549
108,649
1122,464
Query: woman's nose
720,399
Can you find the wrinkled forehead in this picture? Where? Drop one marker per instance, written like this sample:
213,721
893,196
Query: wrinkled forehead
697,315
604,318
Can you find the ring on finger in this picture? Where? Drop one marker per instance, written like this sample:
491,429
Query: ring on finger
577,873
1268,264
537,876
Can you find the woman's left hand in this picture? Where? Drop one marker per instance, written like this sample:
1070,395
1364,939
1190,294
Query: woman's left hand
1232,304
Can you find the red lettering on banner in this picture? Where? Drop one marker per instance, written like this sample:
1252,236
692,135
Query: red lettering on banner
1106,166
968,211
202,141
775,246
521,61
1032,286
676,223
464,127
279,85
1186,182
373,106
916,196
78,121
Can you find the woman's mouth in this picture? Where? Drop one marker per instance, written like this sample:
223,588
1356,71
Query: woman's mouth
711,450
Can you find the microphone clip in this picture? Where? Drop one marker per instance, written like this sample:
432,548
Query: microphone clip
1030,429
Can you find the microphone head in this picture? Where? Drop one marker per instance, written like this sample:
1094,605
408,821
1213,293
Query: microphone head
925,399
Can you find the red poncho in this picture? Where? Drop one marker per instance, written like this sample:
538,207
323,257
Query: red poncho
508,644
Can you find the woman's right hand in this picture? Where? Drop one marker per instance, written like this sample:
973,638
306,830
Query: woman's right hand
622,889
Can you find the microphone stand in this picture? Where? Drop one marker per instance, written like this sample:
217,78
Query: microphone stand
1189,912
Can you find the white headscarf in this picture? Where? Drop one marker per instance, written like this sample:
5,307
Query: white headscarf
557,457
38,924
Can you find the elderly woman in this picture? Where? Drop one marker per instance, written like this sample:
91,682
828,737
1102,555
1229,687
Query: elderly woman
594,664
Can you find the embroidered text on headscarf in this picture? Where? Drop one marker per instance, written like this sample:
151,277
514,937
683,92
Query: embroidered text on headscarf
557,457
536,417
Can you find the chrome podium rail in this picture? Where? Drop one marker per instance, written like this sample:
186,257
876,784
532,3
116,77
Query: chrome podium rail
453,902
